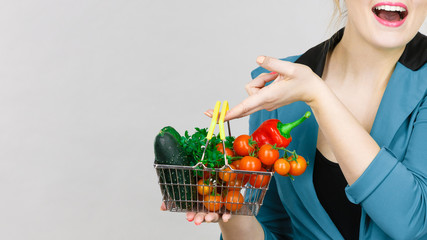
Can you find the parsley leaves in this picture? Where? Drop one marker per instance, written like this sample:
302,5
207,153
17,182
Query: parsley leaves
194,146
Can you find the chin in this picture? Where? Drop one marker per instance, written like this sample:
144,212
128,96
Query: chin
392,39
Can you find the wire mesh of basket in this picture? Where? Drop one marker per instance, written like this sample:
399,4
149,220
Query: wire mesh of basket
227,190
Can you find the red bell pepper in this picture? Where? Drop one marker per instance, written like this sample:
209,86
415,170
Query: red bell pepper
274,132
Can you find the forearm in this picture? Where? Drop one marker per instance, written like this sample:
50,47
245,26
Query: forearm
351,144
241,227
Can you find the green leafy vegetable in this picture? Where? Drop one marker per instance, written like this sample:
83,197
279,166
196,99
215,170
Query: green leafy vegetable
194,146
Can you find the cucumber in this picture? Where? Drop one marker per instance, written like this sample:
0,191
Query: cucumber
168,151
172,131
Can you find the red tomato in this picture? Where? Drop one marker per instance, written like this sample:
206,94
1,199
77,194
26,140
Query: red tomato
258,180
236,184
250,163
281,166
268,155
243,177
234,200
208,174
298,166
226,175
213,202
228,151
236,164
204,187
243,145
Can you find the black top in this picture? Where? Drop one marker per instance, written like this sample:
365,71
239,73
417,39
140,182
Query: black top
329,183
413,57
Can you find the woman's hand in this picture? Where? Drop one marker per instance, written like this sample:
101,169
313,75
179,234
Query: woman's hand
292,82
200,217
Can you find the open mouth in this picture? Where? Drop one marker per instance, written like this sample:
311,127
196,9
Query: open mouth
390,14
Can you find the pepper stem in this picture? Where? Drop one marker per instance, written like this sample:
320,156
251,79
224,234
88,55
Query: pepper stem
285,128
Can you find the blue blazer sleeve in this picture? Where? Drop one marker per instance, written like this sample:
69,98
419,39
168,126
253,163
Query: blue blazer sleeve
394,193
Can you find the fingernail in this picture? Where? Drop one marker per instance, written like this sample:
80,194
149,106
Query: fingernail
260,59
197,223
190,219
273,73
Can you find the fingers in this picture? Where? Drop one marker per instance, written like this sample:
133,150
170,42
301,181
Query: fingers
226,217
248,106
211,217
254,101
201,217
163,207
273,64
259,82
190,216
209,113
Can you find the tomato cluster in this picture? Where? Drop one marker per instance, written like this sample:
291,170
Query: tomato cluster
223,188
267,157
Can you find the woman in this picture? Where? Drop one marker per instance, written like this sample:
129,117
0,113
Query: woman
367,144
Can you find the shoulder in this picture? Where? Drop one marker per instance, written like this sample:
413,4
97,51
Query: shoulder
259,70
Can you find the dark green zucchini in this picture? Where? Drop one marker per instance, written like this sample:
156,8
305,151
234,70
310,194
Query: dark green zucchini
172,131
168,151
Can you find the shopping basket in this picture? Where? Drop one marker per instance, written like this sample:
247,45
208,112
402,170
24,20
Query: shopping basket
238,192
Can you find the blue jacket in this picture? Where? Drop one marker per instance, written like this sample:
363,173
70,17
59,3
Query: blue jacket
392,191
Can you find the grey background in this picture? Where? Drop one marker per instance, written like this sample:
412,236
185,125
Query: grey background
86,85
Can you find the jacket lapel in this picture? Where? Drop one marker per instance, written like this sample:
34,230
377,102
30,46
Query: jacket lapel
403,93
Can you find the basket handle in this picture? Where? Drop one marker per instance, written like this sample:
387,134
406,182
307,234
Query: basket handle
215,114
214,120
224,110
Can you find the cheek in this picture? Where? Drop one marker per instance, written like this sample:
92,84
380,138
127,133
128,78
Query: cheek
421,9
358,11
419,15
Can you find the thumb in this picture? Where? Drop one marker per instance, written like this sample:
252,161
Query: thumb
275,65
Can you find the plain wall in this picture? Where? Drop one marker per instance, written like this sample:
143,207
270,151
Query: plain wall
86,85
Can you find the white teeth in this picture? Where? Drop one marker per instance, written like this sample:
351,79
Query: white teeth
390,8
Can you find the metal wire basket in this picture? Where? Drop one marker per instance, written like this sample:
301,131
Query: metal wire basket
229,190
179,186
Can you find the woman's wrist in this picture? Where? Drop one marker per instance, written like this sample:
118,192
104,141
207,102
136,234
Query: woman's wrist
318,92
241,227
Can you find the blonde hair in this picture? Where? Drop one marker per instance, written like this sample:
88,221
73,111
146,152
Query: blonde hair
338,15
337,7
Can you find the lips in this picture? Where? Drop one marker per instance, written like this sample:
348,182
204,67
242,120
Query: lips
390,14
